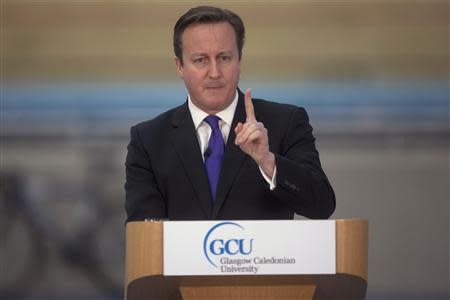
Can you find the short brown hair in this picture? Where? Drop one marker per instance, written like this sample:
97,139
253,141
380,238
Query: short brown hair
205,15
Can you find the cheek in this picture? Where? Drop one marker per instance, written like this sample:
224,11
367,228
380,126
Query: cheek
188,77
195,77
194,83
233,72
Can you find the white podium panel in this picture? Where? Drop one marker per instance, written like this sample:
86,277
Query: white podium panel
249,247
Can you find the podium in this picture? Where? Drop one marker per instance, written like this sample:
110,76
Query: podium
144,271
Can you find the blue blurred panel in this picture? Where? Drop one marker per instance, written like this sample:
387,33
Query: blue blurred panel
365,106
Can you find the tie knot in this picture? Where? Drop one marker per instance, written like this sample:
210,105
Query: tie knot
213,121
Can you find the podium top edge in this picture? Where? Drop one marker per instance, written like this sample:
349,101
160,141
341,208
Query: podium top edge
281,220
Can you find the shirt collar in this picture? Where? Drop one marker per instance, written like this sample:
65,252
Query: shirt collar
226,115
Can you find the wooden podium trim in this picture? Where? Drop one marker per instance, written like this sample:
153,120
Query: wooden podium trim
144,250
352,247
257,292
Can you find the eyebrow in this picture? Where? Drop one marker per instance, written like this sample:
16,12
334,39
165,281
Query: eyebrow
227,52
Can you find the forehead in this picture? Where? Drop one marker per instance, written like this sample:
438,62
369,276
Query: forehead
205,37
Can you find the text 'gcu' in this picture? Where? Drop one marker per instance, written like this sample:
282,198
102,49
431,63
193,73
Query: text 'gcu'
231,246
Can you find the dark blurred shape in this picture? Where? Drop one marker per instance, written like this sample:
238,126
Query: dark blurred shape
22,253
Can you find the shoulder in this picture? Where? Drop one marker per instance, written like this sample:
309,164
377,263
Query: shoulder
155,131
157,124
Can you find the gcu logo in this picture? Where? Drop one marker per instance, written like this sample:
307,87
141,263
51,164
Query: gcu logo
220,246
230,247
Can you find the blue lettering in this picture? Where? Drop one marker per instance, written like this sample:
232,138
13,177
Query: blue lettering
228,245
241,247
231,247
213,249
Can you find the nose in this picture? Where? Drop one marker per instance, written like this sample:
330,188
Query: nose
214,70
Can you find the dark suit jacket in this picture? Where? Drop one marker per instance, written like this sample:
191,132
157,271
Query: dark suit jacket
166,177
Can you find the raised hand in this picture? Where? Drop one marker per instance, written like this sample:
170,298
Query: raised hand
252,138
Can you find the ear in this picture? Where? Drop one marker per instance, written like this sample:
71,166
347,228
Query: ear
179,65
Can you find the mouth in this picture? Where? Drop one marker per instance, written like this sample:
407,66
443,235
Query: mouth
214,87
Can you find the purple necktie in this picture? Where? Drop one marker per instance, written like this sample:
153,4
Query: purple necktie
214,153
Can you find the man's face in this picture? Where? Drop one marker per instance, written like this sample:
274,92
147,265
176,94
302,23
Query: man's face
211,65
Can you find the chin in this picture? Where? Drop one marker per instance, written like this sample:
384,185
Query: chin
217,105
215,98
212,105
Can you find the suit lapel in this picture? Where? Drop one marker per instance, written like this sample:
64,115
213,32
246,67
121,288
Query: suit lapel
232,161
185,141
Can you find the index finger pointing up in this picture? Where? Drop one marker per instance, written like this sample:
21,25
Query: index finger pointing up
249,111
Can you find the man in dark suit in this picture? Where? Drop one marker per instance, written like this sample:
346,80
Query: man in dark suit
222,154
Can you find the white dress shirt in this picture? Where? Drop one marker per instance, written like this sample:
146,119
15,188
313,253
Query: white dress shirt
226,118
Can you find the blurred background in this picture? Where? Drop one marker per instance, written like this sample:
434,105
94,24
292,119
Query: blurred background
75,75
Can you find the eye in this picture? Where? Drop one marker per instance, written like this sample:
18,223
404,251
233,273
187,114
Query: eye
199,60
225,58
